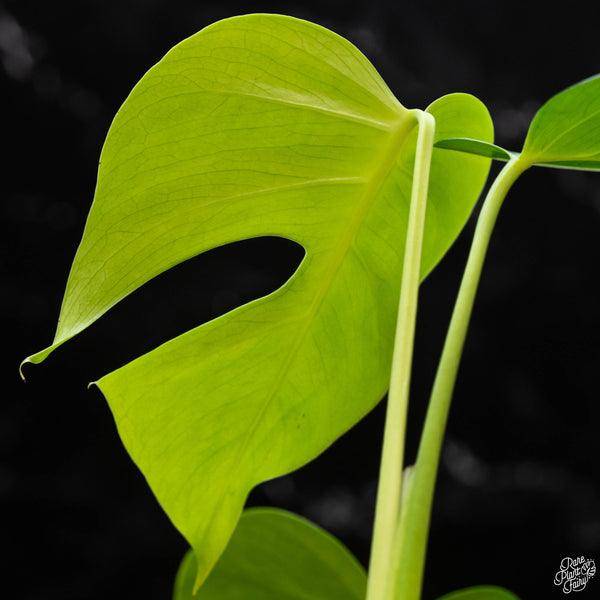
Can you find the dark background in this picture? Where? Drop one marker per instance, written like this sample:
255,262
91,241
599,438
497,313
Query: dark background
519,486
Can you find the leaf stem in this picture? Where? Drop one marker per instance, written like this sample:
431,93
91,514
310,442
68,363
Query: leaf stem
413,526
381,573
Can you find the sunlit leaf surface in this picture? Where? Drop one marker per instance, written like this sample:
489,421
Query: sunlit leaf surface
261,125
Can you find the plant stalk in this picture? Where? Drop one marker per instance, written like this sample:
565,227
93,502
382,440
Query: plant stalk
413,528
381,571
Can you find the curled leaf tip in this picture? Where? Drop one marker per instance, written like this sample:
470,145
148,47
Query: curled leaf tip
33,359
21,369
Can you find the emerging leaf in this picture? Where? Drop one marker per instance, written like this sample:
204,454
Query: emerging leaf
475,147
261,125
565,132
274,554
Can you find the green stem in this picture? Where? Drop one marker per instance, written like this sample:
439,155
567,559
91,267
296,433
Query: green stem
381,572
413,526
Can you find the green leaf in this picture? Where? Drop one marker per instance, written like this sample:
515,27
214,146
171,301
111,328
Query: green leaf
476,147
261,125
276,555
565,131
480,592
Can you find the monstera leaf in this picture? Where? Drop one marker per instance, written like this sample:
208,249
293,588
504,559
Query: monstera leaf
261,125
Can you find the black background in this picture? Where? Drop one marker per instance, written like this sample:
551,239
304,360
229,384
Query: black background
519,486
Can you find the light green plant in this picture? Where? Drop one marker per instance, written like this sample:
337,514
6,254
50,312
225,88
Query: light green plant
266,125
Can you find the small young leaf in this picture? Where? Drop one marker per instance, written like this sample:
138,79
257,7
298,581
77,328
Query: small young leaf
276,555
261,125
565,131
476,147
480,592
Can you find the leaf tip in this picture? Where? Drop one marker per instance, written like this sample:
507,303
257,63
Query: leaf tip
201,575
197,584
23,362
34,359
38,357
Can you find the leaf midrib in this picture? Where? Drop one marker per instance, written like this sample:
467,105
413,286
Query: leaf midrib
582,121
389,155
